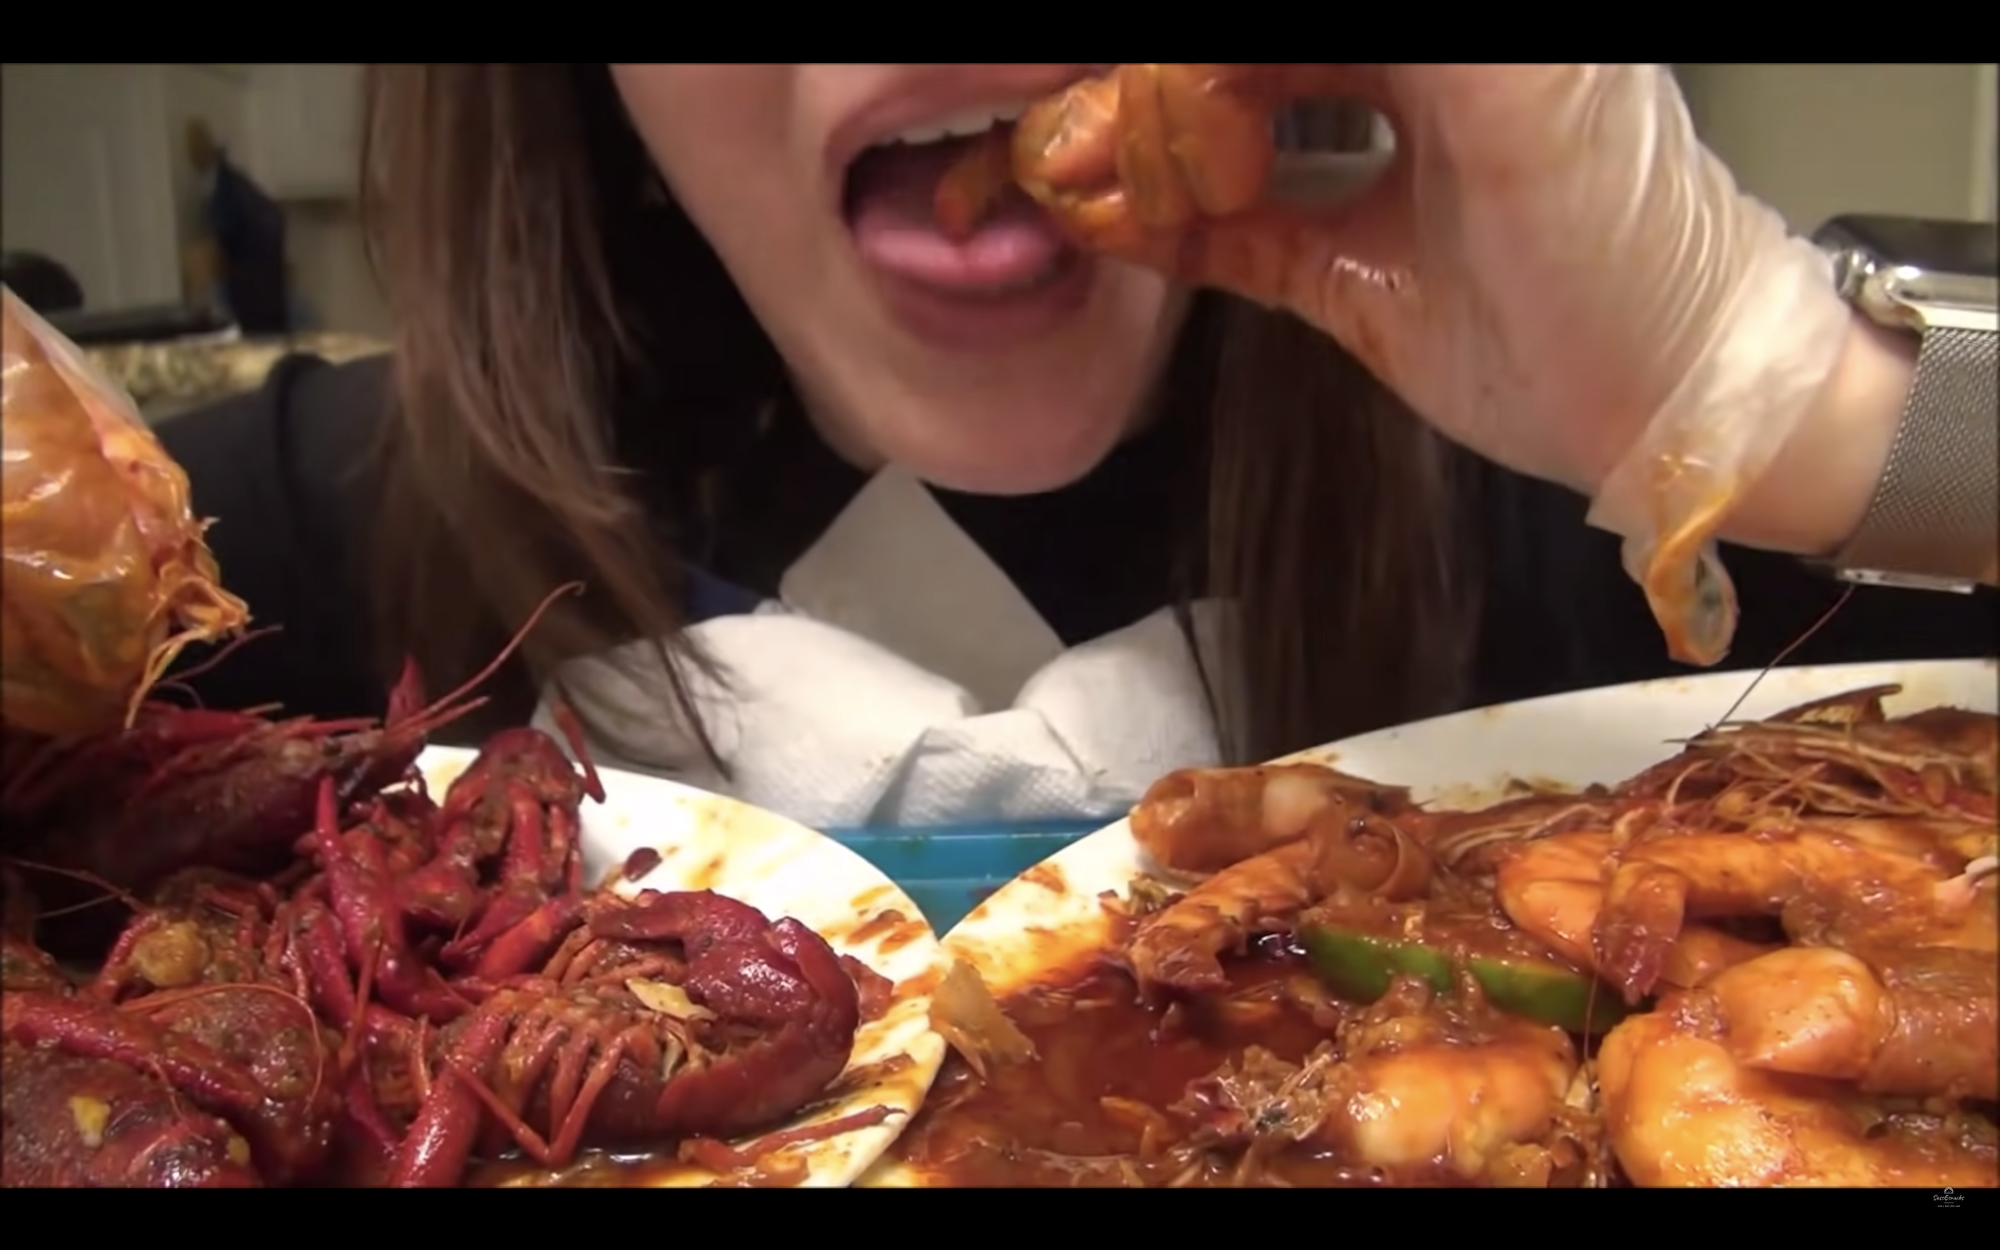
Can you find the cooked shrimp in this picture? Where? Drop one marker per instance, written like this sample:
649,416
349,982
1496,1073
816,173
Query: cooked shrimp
1202,820
1970,739
1553,890
1837,756
1416,1081
1917,1022
1959,913
1859,869
1345,853
1972,890
1421,1095
1940,762
1682,1113
1178,946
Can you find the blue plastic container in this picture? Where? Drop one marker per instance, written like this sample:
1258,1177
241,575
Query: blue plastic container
948,871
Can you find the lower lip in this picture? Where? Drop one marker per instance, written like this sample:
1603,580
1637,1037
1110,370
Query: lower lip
987,321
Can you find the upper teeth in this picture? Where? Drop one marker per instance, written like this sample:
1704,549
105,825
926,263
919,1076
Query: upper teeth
959,125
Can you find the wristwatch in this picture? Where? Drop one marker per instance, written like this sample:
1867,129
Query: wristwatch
1934,522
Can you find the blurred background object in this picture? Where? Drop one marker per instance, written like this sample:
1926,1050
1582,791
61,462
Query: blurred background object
41,283
245,232
1819,139
1332,126
1812,139
206,214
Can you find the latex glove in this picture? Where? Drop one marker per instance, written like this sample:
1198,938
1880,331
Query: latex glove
1552,270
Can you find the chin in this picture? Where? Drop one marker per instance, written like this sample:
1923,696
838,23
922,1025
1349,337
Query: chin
1031,419
1007,474
1053,414
1017,443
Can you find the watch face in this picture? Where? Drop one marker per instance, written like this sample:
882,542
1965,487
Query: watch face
1971,248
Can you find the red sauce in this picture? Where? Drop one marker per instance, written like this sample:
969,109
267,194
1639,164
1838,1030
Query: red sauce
1046,1124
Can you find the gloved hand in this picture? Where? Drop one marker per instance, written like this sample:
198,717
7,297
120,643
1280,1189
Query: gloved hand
1552,270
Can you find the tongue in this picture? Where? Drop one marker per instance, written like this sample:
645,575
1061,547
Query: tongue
890,195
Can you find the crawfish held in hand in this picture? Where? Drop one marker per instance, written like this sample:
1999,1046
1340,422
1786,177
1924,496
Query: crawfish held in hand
221,789
624,1041
1146,147
108,576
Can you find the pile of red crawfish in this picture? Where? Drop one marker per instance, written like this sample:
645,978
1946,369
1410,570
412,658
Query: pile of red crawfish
299,966
424,982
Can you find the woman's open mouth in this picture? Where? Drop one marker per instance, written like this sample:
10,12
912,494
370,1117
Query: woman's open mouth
1012,278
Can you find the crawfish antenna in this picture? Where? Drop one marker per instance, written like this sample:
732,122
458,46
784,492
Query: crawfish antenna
226,650
513,644
579,745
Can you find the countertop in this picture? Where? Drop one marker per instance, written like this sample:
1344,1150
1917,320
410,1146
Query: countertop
168,378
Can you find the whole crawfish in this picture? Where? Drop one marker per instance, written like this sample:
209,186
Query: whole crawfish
202,1046
193,1060
568,1018
633,1022
418,888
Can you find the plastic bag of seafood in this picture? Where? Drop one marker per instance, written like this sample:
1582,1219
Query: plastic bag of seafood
104,576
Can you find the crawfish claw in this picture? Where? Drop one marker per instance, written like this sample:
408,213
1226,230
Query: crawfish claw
433,1154
782,978
790,977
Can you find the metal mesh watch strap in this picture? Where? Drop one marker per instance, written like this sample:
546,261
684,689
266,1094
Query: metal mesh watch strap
1936,511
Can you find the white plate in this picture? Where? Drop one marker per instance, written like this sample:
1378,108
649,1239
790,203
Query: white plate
1050,916
707,842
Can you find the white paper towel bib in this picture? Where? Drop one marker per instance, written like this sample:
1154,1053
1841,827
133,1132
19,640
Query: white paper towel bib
852,702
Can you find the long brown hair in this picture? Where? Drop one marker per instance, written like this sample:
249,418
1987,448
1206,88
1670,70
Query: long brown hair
541,285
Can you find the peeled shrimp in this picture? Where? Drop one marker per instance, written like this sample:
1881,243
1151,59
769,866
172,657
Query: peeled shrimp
1460,1103
1918,1022
1553,890
1416,1081
1202,820
1681,1112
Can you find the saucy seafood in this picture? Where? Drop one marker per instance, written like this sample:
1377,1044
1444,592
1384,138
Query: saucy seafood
1768,961
104,575
424,993
288,962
